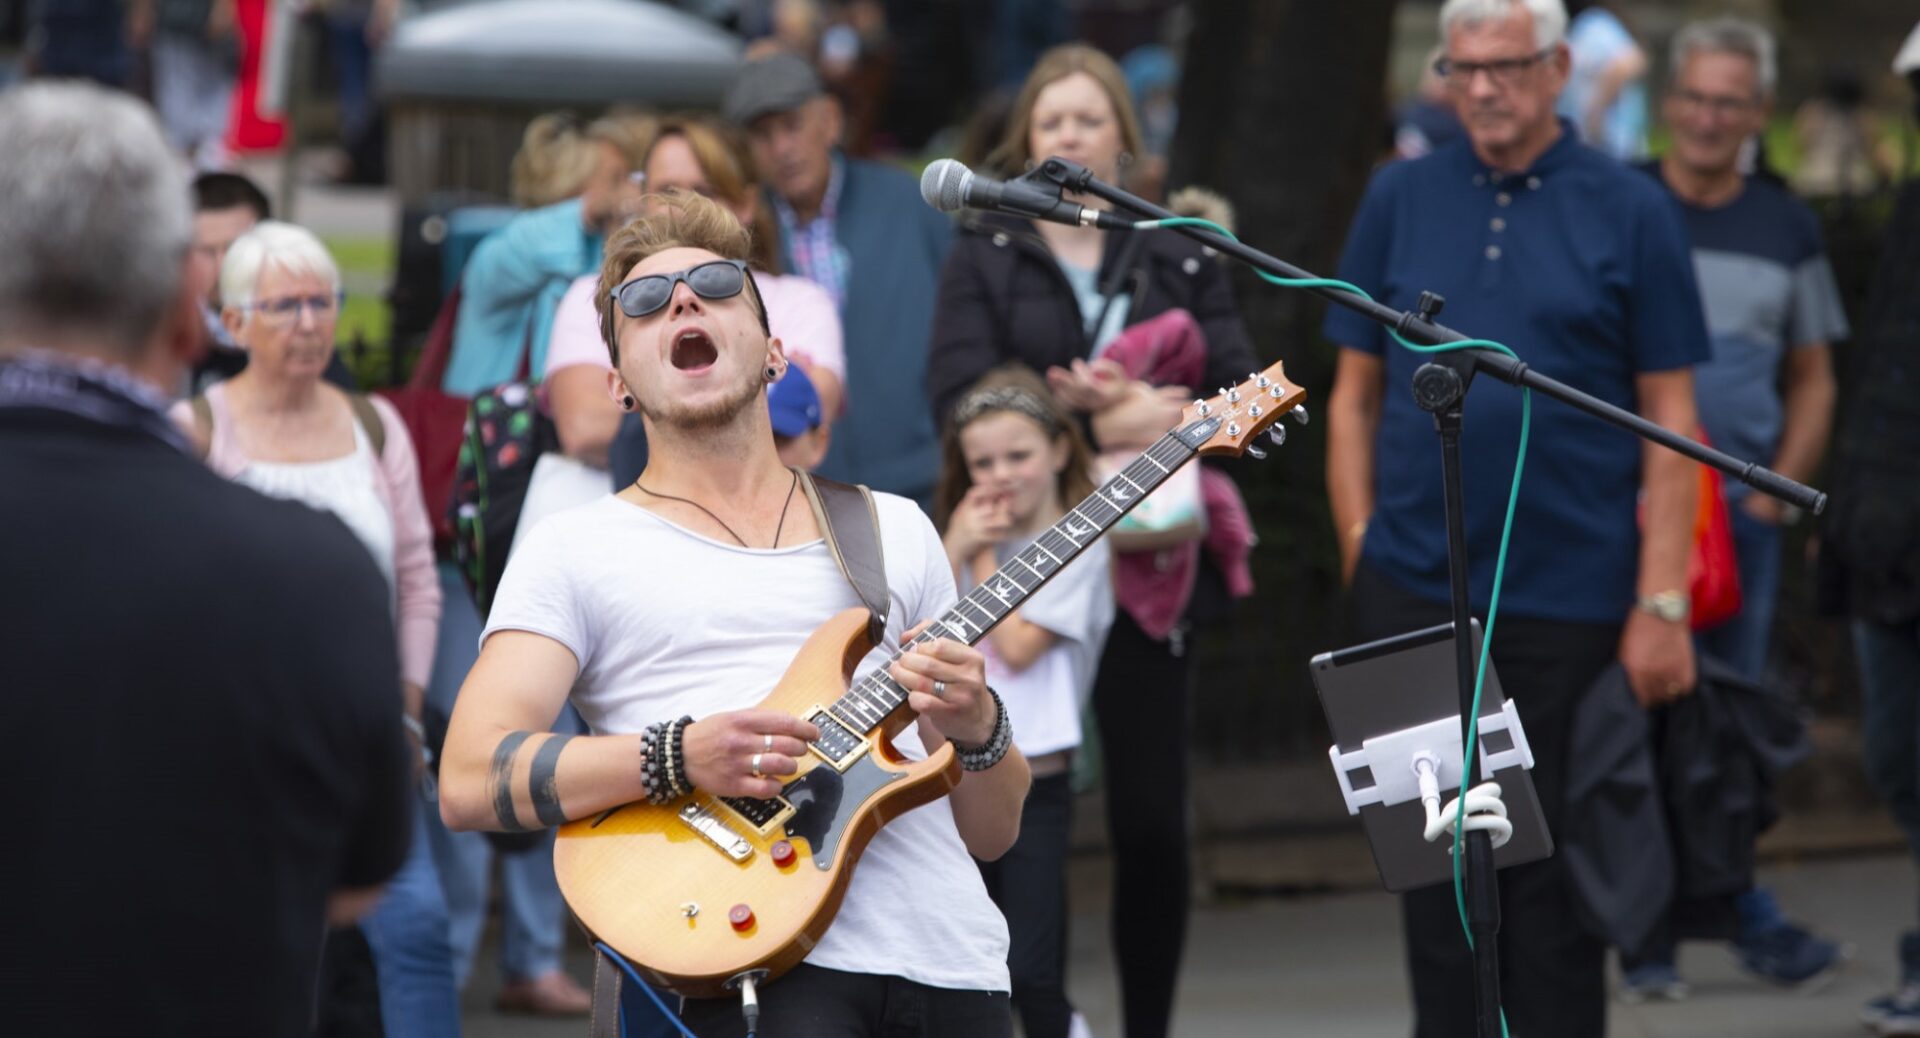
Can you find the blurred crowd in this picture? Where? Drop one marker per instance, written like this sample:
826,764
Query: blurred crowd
995,369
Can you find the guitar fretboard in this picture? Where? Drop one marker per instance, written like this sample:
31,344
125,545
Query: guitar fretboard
872,698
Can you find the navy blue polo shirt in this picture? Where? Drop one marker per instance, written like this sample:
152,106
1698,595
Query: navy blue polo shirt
1581,266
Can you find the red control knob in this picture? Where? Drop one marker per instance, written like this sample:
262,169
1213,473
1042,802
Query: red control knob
741,917
782,852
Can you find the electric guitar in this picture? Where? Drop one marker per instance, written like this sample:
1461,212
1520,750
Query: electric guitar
704,890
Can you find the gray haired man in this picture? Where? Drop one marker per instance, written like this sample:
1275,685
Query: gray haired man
1772,309
199,806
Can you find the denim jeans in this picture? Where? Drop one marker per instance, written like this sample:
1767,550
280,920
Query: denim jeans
1889,657
1742,642
533,924
407,932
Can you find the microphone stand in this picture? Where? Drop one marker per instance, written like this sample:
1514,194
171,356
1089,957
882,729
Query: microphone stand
1440,389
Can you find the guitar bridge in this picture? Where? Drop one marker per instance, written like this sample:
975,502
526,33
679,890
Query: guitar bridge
702,820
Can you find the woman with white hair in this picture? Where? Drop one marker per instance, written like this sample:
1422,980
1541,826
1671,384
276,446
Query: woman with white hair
281,429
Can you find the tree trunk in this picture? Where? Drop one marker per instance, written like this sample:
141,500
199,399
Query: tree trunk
1283,111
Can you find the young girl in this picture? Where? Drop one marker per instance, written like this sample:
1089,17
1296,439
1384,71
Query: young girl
1014,462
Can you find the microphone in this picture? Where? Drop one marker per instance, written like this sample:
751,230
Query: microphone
949,186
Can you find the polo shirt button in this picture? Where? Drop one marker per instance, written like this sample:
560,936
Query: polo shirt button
1493,252
1533,183
1479,179
1190,265
1503,198
1498,224
1000,239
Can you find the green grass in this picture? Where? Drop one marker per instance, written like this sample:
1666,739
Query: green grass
366,269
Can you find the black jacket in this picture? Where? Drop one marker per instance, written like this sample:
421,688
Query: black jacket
1004,299
1663,807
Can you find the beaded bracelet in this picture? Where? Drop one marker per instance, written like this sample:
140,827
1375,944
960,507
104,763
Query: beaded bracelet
985,756
652,765
682,784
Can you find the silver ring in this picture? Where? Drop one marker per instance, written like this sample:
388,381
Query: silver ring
769,743
939,690
753,765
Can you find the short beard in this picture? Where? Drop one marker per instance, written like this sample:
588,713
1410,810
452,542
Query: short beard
709,417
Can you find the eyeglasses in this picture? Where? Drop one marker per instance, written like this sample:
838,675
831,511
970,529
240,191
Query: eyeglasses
1504,72
1720,107
286,309
715,279
719,279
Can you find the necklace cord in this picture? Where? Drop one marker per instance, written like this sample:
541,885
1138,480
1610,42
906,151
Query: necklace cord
780,526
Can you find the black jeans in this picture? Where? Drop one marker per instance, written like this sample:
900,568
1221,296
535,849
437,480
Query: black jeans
814,1002
1029,883
1551,970
1141,700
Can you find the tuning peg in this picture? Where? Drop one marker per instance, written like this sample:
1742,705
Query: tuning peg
1204,408
1256,453
1299,413
1278,434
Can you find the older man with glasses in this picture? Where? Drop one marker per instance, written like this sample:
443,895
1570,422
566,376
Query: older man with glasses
1772,308
1581,266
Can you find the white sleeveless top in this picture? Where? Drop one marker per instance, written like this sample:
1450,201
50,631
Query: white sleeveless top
343,486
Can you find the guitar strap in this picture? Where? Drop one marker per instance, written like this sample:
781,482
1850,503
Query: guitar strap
851,527
850,524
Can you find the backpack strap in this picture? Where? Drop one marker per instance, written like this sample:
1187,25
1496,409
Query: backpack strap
202,423
369,419
851,525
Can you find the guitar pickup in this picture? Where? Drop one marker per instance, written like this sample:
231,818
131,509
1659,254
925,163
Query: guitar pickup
838,745
717,832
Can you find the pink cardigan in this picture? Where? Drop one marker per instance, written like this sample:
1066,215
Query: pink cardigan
416,583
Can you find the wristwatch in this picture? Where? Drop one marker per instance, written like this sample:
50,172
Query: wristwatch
1671,606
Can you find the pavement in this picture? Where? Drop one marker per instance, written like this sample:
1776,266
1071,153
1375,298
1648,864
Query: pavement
1330,966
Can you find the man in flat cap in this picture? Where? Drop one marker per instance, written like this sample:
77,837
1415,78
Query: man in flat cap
861,230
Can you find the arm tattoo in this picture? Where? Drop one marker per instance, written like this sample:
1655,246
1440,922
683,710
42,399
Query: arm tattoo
540,781
500,778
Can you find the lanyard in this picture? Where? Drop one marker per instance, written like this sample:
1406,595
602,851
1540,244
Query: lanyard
39,380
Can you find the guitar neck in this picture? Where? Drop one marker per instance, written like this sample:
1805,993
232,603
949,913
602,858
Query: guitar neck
867,704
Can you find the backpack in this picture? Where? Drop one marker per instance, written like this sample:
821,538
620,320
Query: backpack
507,429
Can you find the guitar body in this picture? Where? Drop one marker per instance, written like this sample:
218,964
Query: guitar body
658,883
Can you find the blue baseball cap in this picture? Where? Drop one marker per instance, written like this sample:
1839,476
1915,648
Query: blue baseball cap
794,403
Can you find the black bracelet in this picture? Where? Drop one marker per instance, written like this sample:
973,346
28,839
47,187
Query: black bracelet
682,784
998,743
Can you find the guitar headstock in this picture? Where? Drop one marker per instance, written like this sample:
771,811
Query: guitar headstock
1228,422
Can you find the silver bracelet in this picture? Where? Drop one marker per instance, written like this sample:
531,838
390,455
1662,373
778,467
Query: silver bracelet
995,748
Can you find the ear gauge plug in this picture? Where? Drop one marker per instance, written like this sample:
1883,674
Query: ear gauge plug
626,403
773,373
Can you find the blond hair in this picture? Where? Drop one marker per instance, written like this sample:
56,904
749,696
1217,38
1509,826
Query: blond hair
674,220
725,159
553,163
1014,153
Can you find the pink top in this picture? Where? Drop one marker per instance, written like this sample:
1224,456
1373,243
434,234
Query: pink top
397,485
801,314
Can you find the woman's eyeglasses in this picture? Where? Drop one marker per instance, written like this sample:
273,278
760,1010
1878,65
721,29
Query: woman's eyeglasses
286,309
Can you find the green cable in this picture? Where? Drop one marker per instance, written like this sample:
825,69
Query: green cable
1500,561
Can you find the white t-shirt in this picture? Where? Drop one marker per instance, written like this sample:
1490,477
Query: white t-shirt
1044,700
665,622
799,313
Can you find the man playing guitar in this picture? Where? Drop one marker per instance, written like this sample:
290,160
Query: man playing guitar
685,596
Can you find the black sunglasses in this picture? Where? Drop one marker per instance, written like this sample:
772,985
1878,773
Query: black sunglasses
715,279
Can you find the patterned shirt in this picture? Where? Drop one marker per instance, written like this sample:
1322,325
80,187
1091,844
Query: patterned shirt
818,255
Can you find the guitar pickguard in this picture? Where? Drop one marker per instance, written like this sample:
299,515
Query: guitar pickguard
824,801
